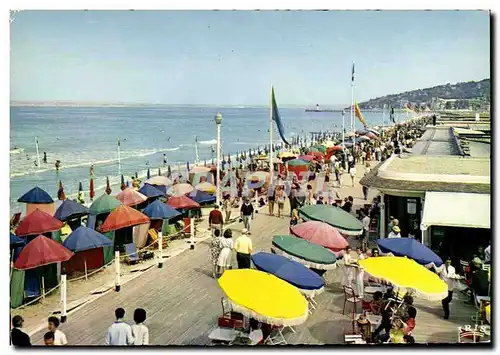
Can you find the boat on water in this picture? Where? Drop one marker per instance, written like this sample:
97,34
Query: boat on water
317,109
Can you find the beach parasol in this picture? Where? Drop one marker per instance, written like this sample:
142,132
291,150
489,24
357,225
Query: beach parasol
130,197
70,209
84,238
159,181
179,189
148,174
183,202
343,221
104,204
300,250
361,131
287,155
60,193
264,297
350,134
41,251
403,272
307,158
371,135
308,282
206,187
38,222
334,149
92,192
151,191
15,241
375,132
298,162
318,148
199,170
318,155
411,248
362,139
320,233
36,195
122,217
201,197
108,188
160,210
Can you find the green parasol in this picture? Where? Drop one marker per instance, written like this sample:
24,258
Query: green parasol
306,253
319,148
334,216
104,204
298,162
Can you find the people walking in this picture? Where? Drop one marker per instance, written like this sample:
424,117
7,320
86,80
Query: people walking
225,261
17,335
119,333
227,207
215,249
243,248
215,219
446,273
270,199
247,214
280,200
59,336
139,331
365,220
352,172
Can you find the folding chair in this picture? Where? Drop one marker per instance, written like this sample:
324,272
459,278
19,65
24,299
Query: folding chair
276,336
468,336
351,297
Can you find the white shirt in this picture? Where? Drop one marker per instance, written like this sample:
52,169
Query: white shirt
350,159
487,254
394,235
353,171
119,333
333,159
447,276
60,338
366,223
141,334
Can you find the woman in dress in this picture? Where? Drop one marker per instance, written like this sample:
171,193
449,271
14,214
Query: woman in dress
225,260
215,249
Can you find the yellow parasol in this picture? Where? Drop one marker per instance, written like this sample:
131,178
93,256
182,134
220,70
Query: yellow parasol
287,155
329,144
264,297
406,273
206,186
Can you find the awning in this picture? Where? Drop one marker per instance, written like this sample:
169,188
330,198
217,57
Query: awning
455,209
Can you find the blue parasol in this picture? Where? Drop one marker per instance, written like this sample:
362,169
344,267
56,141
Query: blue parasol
151,191
201,197
70,209
84,238
288,270
411,248
160,210
15,241
36,195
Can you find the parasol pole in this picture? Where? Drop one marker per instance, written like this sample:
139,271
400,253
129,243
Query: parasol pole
63,298
119,159
85,268
37,151
197,156
343,127
271,168
160,249
117,271
353,122
43,288
191,232
383,119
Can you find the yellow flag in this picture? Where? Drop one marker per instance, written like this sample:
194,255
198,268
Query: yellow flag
358,114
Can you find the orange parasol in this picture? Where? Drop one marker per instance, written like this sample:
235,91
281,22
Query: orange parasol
123,216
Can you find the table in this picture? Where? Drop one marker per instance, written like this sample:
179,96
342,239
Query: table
226,335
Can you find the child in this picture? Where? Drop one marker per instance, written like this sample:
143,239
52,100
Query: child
59,337
48,339
139,331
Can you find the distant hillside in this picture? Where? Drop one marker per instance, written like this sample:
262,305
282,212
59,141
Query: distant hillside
478,91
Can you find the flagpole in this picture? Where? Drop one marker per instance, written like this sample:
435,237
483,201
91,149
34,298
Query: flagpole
383,119
119,159
271,170
37,152
343,128
353,123
197,157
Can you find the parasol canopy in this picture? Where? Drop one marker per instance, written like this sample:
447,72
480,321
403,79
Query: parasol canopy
201,196
361,131
375,132
70,209
84,238
183,202
160,210
38,222
298,162
371,135
307,281
411,248
122,217
406,273
304,252
130,197
362,139
41,251
179,189
199,170
334,216
318,147
264,297
36,195
320,233
16,241
318,155
151,191
307,158
286,155
206,187
159,180
104,204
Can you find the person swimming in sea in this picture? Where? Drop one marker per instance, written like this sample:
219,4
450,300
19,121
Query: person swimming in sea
92,170
58,165
45,157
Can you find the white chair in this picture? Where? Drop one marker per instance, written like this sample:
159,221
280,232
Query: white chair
276,337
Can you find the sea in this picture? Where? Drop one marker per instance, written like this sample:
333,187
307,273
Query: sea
82,136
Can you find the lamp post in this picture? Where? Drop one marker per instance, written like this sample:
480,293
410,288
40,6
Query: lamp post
218,122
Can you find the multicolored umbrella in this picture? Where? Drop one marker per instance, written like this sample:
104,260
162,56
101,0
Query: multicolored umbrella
408,274
411,248
264,297
130,197
160,210
38,222
159,181
319,147
41,251
122,217
334,216
206,187
308,282
36,195
307,158
104,204
151,191
70,209
84,238
179,189
182,202
306,253
320,233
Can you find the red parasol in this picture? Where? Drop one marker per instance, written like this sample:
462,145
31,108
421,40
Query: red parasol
38,222
308,157
316,154
92,192
122,217
182,202
320,233
41,251
60,193
130,197
108,188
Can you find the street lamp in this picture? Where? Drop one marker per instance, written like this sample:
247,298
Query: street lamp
218,122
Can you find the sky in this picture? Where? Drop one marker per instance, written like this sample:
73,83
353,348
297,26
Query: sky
233,57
